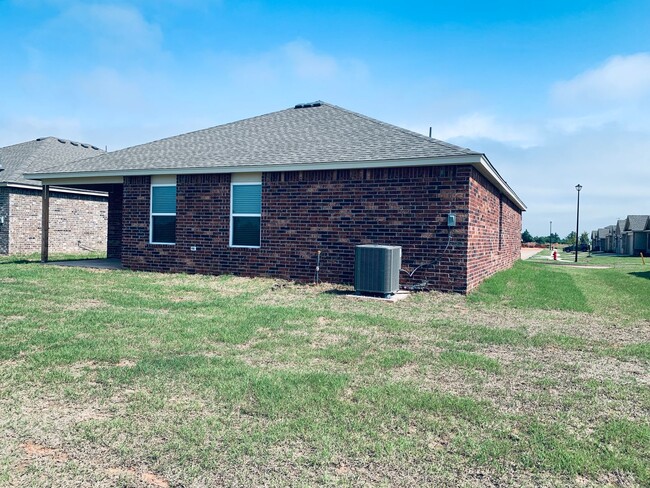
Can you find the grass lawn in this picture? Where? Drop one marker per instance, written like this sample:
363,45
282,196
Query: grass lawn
115,378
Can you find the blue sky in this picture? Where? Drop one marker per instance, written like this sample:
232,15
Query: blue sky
555,93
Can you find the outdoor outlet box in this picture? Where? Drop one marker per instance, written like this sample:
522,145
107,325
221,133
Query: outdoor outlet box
2,219
451,220
192,248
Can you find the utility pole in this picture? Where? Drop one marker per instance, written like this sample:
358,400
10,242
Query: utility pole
578,187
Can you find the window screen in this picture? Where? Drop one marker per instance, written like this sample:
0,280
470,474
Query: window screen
163,214
246,215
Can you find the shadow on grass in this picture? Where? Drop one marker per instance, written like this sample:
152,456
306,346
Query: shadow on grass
18,261
56,260
338,292
53,258
642,274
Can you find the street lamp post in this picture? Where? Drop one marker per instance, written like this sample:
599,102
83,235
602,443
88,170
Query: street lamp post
578,187
550,236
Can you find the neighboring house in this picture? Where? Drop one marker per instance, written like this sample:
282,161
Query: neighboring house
637,235
78,216
263,196
619,232
610,239
602,239
595,241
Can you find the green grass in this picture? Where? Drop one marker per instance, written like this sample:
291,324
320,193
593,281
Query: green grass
534,379
619,291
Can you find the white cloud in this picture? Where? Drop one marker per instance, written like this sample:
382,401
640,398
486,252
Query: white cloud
618,79
112,88
112,29
297,60
613,94
308,64
485,126
575,123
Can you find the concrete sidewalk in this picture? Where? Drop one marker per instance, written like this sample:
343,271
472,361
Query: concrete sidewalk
90,263
527,252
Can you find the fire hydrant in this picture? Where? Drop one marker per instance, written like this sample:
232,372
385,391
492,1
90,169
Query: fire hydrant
554,254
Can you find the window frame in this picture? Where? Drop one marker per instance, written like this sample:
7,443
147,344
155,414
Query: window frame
152,215
233,215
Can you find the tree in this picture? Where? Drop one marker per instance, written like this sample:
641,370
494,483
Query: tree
526,237
584,238
571,238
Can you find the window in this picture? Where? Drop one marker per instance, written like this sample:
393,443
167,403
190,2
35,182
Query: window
245,214
163,214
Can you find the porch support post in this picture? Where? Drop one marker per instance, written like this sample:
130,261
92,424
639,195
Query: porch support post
45,223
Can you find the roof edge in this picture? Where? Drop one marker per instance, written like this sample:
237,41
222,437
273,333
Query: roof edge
479,161
57,189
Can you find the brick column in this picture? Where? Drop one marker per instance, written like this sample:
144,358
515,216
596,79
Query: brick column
114,239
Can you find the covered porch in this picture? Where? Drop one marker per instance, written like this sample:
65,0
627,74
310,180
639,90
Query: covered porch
113,186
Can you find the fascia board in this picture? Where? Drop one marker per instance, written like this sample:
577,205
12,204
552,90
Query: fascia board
58,189
479,161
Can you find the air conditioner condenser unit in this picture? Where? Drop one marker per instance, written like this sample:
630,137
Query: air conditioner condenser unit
376,269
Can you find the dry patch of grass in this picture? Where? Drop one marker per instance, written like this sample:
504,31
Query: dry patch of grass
156,380
86,304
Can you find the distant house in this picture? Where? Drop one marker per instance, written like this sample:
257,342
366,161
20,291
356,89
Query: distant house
629,237
637,235
610,239
605,239
276,194
79,216
619,233
595,241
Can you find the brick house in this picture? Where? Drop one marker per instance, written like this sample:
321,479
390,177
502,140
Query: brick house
78,217
261,196
630,236
637,233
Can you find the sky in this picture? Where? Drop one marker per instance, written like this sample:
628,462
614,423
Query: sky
556,93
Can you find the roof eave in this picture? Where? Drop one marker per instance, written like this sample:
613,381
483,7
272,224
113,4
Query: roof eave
56,189
479,161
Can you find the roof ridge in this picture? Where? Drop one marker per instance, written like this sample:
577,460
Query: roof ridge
39,148
30,160
402,129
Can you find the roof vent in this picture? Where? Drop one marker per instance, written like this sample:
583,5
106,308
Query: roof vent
40,139
74,143
62,141
309,105
95,148
84,145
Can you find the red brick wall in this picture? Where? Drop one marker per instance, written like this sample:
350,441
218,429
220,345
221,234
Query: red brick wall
114,237
494,231
303,212
4,227
77,222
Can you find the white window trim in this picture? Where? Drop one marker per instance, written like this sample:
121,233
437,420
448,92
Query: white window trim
152,215
233,215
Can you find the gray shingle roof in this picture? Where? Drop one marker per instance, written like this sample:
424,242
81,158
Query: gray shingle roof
318,134
637,223
620,225
605,231
39,154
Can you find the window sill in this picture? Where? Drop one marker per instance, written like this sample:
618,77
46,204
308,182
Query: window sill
162,243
